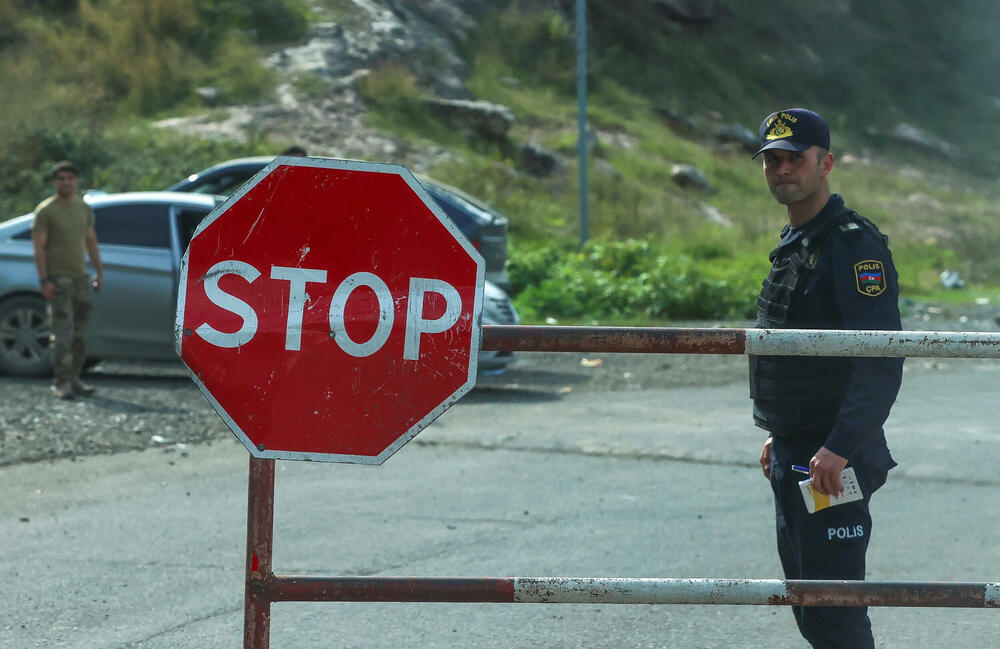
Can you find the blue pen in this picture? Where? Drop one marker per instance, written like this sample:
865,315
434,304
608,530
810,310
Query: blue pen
800,469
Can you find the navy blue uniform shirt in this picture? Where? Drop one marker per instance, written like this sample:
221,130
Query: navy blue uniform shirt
847,291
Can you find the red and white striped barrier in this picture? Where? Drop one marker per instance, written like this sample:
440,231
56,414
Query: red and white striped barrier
761,342
621,590
264,587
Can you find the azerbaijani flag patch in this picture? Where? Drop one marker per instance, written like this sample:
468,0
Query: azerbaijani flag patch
870,275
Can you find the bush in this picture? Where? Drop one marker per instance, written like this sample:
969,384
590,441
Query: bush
81,69
26,156
120,57
532,263
633,279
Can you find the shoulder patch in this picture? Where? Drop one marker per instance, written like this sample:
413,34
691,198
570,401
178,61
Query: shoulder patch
870,276
850,225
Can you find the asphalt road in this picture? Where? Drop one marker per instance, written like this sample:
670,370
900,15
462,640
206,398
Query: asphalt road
145,549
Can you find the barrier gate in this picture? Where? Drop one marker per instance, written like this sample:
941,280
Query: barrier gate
264,587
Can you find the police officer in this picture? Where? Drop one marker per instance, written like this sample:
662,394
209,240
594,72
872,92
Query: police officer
831,270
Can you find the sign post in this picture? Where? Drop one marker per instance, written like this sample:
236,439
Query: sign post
260,544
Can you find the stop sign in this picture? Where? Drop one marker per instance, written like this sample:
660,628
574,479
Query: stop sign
329,310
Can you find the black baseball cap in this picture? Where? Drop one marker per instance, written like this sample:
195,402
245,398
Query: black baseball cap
793,129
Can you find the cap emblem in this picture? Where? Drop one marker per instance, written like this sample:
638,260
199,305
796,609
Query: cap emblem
780,131
793,129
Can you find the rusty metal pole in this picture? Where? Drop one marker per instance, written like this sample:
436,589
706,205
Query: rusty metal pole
761,342
260,537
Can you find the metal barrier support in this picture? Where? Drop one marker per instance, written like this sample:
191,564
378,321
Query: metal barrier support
264,587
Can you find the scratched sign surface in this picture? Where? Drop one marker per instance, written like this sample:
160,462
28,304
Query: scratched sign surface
330,310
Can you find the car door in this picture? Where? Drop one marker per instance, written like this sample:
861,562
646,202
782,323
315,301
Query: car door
134,312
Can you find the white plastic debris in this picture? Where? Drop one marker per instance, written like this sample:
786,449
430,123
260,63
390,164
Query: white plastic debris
951,279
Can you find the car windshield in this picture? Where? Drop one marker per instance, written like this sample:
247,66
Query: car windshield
224,183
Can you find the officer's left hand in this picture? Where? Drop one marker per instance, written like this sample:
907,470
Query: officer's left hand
824,469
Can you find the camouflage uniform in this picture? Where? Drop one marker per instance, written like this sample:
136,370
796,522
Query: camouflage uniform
66,225
68,313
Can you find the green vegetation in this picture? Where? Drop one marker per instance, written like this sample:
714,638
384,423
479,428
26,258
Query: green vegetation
391,93
865,65
937,215
634,279
88,72
92,74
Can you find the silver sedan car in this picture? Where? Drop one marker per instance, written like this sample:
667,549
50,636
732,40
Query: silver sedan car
142,238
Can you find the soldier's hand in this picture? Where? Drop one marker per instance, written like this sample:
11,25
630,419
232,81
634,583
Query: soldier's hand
765,458
825,468
48,290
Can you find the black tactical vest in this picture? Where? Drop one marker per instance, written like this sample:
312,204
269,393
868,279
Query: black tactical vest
795,394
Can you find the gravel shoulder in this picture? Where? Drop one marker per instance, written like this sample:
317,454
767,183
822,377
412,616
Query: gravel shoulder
147,405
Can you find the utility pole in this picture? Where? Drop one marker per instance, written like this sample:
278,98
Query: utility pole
581,100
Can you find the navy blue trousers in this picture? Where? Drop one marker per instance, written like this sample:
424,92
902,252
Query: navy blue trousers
830,544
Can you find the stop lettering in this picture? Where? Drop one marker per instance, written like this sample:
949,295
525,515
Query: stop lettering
417,323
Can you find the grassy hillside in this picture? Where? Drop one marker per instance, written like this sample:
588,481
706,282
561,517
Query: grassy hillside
89,75
80,79
938,212
865,65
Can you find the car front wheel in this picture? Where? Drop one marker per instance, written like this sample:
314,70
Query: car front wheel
24,337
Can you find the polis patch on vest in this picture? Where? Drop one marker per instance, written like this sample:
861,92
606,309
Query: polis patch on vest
870,275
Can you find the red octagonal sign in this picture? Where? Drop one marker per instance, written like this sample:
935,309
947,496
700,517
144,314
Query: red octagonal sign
329,310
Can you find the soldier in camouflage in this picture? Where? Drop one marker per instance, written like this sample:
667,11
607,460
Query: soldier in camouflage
63,230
